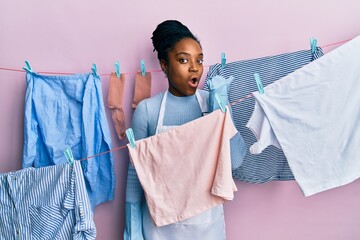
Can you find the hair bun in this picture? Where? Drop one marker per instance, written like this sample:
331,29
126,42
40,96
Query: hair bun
167,34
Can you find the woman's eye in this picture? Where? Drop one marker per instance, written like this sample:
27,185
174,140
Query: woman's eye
200,61
183,60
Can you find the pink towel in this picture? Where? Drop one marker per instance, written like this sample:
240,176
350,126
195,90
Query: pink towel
186,170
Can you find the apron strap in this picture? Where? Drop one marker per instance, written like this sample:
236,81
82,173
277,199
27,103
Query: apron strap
202,103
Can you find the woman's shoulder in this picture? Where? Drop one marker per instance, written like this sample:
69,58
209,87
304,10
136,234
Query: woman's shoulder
145,116
149,108
152,102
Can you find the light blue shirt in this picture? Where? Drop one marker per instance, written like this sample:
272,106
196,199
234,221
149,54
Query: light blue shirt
68,111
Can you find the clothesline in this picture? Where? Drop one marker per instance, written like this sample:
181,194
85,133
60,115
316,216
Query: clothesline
231,104
124,146
129,73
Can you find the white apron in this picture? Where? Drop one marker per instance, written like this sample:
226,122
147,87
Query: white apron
209,225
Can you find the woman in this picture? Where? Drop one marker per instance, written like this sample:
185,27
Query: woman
181,59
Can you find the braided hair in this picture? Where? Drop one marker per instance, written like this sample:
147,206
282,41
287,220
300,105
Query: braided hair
167,34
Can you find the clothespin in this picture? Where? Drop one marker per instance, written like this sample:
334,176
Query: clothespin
130,136
259,83
220,102
94,70
223,60
69,156
313,45
28,67
117,69
142,66
210,85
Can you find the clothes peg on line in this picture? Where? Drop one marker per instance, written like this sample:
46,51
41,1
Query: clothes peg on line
130,136
117,69
94,70
28,67
69,155
142,67
313,45
223,60
259,83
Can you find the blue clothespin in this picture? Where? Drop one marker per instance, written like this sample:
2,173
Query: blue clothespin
142,66
223,59
94,70
220,102
117,69
130,136
313,45
69,155
28,67
259,83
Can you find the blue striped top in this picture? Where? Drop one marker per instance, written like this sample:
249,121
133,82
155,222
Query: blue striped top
271,164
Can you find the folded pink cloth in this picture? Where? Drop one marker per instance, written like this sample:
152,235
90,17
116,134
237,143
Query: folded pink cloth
186,170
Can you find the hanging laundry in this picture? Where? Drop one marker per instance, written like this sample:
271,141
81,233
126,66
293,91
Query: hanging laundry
271,164
115,103
68,111
219,85
45,203
142,88
314,113
184,181
164,112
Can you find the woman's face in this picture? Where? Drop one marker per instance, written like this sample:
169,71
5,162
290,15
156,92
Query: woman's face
185,67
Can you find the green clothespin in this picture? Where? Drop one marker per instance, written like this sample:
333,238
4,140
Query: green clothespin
28,67
117,69
223,60
130,136
142,66
94,70
259,83
69,156
313,45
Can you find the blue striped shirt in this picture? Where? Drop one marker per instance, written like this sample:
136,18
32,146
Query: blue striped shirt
45,203
271,164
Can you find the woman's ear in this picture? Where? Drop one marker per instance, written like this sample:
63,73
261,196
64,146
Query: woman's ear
164,66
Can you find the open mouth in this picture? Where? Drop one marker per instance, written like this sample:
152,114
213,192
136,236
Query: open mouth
193,82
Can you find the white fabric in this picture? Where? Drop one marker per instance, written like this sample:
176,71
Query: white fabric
209,224
260,127
314,113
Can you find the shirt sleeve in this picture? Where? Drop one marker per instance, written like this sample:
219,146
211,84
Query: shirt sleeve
84,228
31,135
134,191
237,150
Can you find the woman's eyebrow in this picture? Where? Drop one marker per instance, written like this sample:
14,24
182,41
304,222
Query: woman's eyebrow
181,53
185,53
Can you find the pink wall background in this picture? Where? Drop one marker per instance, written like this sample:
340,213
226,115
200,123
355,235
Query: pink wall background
68,36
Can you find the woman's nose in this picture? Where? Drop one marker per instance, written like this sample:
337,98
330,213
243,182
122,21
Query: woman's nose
193,67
